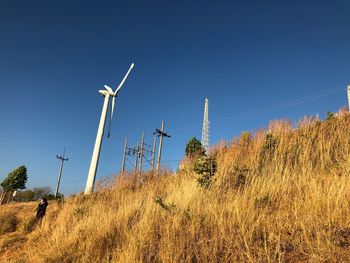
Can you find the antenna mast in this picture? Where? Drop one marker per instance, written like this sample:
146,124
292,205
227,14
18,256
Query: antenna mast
205,130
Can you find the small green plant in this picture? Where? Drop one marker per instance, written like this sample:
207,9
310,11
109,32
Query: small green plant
205,167
262,202
167,207
267,150
80,211
271,142
330,115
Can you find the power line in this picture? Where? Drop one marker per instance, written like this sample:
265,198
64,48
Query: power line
281,105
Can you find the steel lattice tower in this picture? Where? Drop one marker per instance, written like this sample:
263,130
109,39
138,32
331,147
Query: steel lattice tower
206,124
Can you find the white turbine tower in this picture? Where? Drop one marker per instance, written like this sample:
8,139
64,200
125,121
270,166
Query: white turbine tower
96,153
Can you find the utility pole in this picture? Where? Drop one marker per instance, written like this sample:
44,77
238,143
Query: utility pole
154,151
349,96
160,134
136,159
124,156
62,159
141,154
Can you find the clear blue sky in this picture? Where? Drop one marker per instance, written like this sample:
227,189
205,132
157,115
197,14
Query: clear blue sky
243,56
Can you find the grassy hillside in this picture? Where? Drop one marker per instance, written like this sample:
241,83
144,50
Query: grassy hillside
281,195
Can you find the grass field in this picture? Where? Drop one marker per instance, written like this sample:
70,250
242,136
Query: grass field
279,195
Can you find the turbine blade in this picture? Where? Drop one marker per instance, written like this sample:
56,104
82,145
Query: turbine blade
111,117
123,80
109,90
113,103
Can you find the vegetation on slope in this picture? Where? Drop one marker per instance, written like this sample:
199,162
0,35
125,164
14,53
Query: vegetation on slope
281,195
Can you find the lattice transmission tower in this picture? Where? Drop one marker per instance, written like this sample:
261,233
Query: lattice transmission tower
206,126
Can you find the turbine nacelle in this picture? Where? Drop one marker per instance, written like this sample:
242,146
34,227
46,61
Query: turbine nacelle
103,92
114,95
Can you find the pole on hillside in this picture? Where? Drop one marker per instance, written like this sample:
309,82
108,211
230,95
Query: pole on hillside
124,156
349,96
141,153
154,151
62,159
136,159
160,134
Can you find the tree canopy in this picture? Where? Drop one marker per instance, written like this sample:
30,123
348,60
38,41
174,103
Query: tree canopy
15,180
194,146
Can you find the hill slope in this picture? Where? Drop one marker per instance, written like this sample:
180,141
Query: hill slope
278,196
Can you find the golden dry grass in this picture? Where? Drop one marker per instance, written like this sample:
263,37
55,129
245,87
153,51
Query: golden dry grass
278,196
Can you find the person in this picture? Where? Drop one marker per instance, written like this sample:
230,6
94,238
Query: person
41,210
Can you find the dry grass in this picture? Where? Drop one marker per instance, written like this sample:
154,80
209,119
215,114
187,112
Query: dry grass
282,196
17,221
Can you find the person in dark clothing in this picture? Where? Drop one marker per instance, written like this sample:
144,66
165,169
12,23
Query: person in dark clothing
41,209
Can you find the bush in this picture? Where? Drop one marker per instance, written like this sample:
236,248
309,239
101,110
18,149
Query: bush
205,167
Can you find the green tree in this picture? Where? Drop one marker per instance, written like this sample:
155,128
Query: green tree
194,147
15,180
25,195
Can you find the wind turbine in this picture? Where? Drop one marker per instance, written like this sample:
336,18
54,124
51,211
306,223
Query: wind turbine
107,93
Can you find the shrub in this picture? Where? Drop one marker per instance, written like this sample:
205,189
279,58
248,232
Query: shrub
205,167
